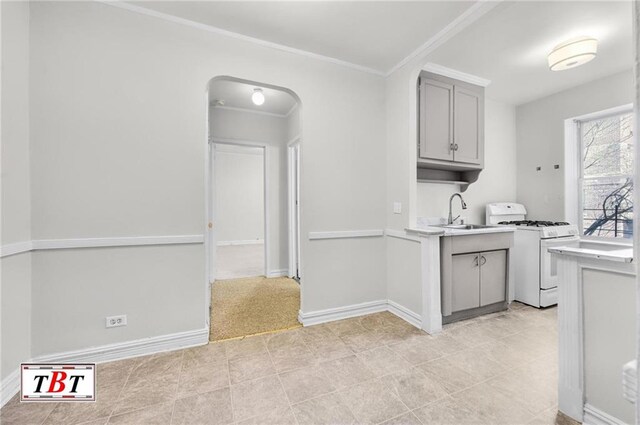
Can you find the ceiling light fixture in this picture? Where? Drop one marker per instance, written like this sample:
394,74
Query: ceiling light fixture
257,97
573,53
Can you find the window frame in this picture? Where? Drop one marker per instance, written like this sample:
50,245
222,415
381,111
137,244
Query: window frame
574,174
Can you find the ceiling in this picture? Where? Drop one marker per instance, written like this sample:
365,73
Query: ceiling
509,46
372,34
238,95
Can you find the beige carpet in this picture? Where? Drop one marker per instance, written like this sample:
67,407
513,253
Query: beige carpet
254,305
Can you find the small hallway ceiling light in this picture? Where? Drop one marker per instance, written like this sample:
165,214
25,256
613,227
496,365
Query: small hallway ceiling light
257,97
573,53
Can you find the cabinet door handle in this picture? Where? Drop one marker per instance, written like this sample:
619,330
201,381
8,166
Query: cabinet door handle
455,146
451,147
476,261
484,260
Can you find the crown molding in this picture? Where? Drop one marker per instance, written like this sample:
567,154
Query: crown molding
454,73
237,36
469,16
472,14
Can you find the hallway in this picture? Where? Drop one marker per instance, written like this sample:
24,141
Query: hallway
239,261
249,306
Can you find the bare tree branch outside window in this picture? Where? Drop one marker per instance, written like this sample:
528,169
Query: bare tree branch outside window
607,183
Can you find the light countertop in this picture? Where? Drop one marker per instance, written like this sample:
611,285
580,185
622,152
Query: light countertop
617,253
444,231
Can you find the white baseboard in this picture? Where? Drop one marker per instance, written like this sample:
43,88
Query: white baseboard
278,273
9,387
129,349
595,416
339,313
104,353
405,314
246,242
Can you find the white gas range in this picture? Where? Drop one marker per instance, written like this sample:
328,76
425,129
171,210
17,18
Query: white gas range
536,274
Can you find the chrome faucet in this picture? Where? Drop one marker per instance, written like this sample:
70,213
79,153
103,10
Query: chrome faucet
450,220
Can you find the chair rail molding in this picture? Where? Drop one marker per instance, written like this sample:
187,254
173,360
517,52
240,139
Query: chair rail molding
124,241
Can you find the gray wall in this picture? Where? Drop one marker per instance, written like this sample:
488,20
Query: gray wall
15,271
540,127
404,273
118,145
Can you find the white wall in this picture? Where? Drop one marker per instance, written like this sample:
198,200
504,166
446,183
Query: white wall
293,124
118,145
159,288
540,140
609,339
248,126
405,273
239,197
271,131
15,270
497,182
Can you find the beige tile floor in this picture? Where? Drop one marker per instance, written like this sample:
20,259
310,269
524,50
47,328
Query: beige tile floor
498,369
236,261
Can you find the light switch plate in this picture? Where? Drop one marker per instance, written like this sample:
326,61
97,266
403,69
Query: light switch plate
397,208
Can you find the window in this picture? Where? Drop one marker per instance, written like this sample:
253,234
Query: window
606,176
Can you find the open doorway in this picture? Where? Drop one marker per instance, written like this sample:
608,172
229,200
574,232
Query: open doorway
253,253
239,210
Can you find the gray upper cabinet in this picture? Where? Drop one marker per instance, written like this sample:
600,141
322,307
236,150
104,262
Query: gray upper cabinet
451,130
467,130
436,123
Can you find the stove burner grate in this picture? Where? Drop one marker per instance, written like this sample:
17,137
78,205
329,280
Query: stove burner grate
535,223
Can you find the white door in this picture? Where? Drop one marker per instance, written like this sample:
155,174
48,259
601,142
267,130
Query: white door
294,211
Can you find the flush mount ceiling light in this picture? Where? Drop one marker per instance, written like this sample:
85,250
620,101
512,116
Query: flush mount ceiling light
257,97
573,53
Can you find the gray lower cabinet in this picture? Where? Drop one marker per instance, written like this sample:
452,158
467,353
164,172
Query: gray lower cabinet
493,277
478,279
465,291
474,273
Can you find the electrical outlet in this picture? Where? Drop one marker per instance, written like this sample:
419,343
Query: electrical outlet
397,208
114,321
